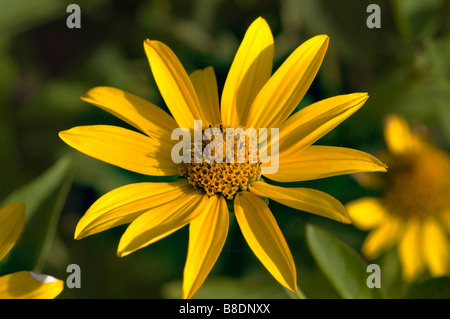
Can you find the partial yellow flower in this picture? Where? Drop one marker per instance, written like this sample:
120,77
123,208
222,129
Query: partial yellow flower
252,97
414,209
22,284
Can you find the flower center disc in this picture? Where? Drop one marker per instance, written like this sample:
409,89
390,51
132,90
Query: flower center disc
417,184
228,175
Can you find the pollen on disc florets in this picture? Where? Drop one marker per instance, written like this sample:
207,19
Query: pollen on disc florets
418,185
222,177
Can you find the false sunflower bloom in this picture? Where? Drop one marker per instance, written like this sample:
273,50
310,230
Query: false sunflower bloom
22,284
252,97
414,209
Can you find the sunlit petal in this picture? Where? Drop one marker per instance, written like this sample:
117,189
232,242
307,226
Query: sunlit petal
124,204
140,113
264,237
12,219
436,248
287,86
122,147
207,235
160,222
306,199
314,121
398,136
28,285
382,238
410,251
250,70
205,85
316,162
367,212
174,84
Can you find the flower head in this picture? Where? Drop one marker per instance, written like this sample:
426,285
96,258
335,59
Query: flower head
414,209
22,284
252,98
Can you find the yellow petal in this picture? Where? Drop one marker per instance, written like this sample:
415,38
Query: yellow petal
250,70
160,222
28,285
12,219
264,237
382,238
140,113
308,200
174,84
287,86
410,251
312,122
207,235
122,147
316,162
398,136
124,204
436,248
367,212
205,85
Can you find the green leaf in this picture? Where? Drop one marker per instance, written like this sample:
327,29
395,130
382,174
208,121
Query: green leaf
21,15
417,18
345,269
44,198
436,288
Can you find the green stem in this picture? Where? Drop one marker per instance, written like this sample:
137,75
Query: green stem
401,19
295,295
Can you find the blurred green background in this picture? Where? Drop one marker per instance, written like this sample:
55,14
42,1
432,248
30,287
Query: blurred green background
45,67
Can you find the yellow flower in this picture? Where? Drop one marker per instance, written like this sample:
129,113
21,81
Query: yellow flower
22,284
251,98
414,211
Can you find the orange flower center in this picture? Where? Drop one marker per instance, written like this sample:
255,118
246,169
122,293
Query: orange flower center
237,167
417,184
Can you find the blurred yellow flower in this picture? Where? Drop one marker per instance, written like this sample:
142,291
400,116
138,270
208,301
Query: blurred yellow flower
414,210
22,284
252,98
